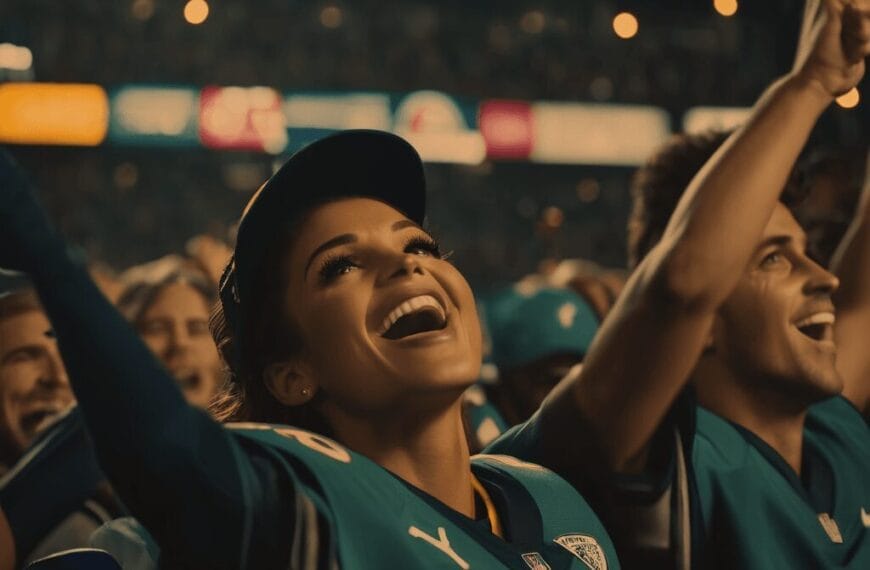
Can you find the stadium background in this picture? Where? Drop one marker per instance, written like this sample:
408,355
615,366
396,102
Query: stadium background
503,199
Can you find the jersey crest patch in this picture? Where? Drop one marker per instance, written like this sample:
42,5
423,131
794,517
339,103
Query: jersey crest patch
584,547
536,561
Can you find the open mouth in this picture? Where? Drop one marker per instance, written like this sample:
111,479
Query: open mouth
188,379
818,327
36,420
417,315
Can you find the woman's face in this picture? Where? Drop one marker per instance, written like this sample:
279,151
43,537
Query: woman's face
175,328
386,323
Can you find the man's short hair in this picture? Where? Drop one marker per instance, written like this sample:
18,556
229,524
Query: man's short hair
658,185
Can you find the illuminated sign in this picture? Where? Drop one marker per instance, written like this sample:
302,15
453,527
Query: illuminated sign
507,129
73,114
699,119
619,135
337,111
242,118
436,126
154,116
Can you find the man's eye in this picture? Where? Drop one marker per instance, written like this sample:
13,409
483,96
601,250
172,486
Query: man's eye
333,267
772,259
19,356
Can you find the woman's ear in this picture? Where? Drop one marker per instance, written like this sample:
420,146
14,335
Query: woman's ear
289,383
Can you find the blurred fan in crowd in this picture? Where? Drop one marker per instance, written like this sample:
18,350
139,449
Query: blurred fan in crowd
169,302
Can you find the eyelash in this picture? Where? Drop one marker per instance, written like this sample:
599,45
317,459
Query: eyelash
336,265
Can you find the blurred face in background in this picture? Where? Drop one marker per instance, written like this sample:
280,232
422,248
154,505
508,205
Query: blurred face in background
175,327
33,383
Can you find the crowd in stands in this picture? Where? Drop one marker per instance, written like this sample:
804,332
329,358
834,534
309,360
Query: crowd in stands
312,395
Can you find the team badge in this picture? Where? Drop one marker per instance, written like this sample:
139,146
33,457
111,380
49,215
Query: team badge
585,548
536,561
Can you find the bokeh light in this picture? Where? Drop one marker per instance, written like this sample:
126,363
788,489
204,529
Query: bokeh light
331,17
142,9
625,25
533,22
725,7
849,99
196,12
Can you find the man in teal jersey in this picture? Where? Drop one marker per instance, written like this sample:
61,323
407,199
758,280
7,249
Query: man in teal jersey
773,469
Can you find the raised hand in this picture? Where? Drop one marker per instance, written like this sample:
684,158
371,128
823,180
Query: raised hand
834,41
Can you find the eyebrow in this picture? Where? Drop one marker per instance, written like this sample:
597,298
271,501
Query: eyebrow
781,241
345,239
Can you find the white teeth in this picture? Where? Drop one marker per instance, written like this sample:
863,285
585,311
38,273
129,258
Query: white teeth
408,307
817,319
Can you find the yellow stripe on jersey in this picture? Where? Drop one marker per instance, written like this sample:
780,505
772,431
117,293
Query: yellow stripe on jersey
491,514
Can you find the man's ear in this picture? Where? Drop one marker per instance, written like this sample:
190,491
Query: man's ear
289,382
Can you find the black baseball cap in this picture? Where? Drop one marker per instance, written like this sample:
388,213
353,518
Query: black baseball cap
352,163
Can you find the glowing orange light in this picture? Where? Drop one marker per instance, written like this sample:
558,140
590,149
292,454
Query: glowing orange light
725,7
53,113
625,25
849,99
196,11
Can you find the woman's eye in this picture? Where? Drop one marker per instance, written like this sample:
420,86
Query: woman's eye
153,327
423,246
334,267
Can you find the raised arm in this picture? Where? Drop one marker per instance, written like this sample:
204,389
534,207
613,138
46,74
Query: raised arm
851,263
183,475
652,339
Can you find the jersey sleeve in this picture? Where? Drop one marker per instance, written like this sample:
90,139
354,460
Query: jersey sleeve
209,501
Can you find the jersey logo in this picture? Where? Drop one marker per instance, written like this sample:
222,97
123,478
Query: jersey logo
865,518
536,561
584,547
441,543
831,528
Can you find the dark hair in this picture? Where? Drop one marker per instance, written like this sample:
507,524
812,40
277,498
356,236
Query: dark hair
658,185
270,337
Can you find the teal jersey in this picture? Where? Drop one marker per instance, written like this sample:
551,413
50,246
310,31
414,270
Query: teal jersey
758,513
354,514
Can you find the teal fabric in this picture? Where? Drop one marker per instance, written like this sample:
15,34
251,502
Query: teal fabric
757,513
526,325
379,521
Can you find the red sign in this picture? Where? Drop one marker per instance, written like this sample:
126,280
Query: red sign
242,118
507,128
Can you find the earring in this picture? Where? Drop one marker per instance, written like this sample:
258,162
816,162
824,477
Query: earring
306,391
